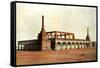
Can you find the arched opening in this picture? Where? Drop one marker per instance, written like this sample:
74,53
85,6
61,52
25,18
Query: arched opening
63,47
19,47
58,43
22,47
73,45
73,42
68,45
64,43
80,45
87,45
83,45
58,46
77,45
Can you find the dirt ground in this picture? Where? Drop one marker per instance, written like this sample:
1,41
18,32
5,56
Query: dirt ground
43,57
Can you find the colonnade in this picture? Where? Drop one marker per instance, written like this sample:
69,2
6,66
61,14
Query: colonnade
72,45
20,47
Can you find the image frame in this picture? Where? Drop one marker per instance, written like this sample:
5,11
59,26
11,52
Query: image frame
13,32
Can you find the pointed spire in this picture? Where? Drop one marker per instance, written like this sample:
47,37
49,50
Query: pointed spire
87,30
43,29
42,22
88,37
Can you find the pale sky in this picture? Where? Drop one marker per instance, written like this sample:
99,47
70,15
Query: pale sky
56,18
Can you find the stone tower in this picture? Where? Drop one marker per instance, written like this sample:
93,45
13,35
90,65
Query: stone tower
88,37
44,43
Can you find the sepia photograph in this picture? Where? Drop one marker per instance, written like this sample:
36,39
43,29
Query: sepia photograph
54,33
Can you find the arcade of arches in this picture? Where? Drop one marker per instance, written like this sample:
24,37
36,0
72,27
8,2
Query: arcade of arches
72,45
